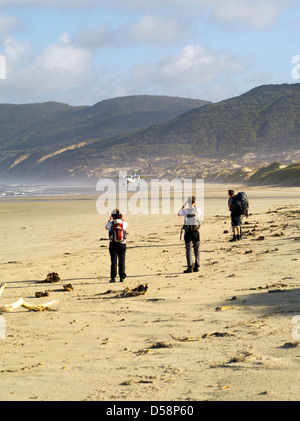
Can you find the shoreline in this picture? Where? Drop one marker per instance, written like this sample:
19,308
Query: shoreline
210,189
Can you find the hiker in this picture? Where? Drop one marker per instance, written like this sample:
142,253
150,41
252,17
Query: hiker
117,228
235,218
192,222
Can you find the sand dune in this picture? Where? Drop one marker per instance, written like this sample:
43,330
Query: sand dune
224,333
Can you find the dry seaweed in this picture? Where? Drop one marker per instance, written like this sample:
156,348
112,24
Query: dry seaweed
68,287
39,294
52,277
139,290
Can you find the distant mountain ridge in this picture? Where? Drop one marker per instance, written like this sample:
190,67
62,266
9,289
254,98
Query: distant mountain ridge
30,126
264,119
54,141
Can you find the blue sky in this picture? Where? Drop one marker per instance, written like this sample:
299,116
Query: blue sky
81,52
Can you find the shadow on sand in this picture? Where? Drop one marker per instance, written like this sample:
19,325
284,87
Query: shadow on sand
269,300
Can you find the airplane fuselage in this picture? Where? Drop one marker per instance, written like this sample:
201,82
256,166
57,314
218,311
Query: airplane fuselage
132,178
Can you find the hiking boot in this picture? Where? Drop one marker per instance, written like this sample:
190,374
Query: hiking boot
234,238
188,270
196,268
112,280
122,279
238,237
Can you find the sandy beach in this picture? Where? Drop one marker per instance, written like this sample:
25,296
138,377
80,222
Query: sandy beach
224,333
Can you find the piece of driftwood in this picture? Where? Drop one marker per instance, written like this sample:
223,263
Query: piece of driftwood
2,286
185,339
21,303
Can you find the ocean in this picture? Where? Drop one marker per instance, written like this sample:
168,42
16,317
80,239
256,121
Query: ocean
14,191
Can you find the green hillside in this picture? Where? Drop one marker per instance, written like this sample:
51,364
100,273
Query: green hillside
264,119
22,122
30,126
276,174
52,140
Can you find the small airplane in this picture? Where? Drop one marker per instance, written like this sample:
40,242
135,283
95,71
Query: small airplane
131,178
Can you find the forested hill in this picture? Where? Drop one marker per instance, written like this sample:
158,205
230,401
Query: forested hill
265,119
31,126
52,140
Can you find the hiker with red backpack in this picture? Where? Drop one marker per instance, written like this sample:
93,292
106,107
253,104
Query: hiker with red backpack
117,228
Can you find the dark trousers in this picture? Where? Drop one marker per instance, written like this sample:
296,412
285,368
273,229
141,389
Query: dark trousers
117,253
192,243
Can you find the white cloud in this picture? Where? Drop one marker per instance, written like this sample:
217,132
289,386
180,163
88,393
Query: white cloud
149,29
56,71
130,30
65,73
257,14
154,29
71,3
8,25
16,52
195,64
196,72
254,13
28,3
59,66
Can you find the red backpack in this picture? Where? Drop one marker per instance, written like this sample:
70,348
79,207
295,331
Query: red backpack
117,230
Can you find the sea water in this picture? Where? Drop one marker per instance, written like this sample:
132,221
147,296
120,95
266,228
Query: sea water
14,191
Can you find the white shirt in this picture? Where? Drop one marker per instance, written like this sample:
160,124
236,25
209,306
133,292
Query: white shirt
188,219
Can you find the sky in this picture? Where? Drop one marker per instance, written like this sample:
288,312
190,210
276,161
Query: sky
82,52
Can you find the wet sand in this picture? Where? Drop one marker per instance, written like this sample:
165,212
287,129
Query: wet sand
224,333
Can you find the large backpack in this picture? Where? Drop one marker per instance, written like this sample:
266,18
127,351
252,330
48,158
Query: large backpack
240,204
117,231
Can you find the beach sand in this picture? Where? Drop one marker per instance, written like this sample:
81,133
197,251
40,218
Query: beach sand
224,333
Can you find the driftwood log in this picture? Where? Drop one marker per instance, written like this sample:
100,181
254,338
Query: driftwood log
21,303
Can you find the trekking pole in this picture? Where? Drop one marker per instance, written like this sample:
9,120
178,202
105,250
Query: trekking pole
181,233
